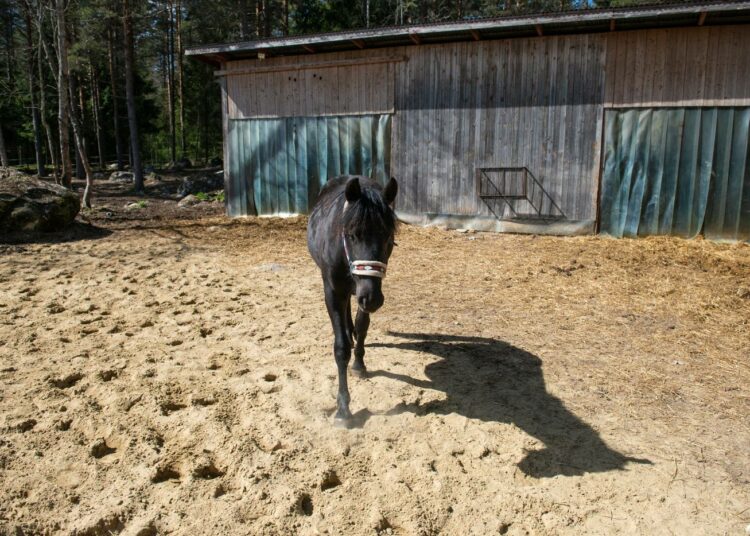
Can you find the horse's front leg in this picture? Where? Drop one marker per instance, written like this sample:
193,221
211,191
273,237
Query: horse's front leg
336,302
361,325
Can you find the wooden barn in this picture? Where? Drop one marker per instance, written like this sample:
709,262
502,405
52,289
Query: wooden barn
630,121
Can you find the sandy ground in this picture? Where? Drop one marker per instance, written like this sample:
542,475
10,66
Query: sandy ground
174,375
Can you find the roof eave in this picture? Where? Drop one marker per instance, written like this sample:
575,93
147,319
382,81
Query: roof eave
567,22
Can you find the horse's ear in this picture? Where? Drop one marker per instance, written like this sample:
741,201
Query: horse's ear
353,191
391,189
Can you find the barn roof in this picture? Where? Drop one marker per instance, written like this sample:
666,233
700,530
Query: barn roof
564,22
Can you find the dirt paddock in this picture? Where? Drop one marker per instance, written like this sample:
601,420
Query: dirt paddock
175,376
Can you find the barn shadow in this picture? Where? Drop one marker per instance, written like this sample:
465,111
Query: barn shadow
493,381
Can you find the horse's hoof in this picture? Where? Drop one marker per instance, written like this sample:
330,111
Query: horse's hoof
343,423
359,372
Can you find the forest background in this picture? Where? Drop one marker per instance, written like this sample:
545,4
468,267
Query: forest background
86,84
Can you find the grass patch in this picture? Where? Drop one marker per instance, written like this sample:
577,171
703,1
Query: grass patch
211,196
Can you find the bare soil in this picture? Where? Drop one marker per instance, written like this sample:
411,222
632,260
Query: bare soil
170,371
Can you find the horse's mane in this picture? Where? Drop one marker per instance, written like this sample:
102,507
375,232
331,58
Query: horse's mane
369,214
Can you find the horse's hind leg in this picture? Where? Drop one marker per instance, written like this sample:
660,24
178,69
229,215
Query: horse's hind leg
360,329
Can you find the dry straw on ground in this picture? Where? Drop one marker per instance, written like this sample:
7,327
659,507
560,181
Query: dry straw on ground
176,376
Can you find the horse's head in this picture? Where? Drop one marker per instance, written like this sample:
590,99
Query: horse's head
369,226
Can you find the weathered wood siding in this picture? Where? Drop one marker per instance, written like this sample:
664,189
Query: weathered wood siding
522,102
535,102
706,66
343,90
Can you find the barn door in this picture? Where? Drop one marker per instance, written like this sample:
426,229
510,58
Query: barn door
678,171
278,166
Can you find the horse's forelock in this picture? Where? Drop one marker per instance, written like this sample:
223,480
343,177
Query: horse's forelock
369,214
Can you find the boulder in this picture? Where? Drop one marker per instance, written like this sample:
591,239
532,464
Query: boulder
30,204
205,183
188,201
152,179
122,176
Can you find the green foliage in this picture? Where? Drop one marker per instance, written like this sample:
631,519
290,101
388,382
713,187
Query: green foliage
93,23
211,196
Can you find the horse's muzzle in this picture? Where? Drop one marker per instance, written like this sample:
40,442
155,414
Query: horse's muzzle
371,302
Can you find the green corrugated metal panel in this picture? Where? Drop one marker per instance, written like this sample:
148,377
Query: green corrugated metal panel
679,171
279,165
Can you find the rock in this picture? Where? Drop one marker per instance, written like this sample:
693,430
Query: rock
122,176
188,201
152,179
205,183
30,204
216,161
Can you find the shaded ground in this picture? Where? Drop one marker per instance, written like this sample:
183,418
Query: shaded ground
168,370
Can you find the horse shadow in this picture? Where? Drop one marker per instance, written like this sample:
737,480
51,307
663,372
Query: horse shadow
493,381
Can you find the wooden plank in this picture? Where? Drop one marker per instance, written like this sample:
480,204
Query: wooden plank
742,88
698,51
310,65
736,79
598,132
553,107
660,68
647,67
620,67
683,74
710,84
480,126
610,73
225,142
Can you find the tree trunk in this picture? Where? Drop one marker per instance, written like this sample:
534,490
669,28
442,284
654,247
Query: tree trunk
32,96
170,84
244,20
180,86
63,101
81,148
116,109
127,26
73,96
266,19
96,107
285,15
43,116
9,50
80,171
3,154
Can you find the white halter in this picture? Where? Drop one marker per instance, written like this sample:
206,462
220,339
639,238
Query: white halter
367,268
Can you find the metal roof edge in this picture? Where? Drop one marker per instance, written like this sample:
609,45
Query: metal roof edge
426,30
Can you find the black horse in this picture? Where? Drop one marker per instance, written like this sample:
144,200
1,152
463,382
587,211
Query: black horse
350,236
